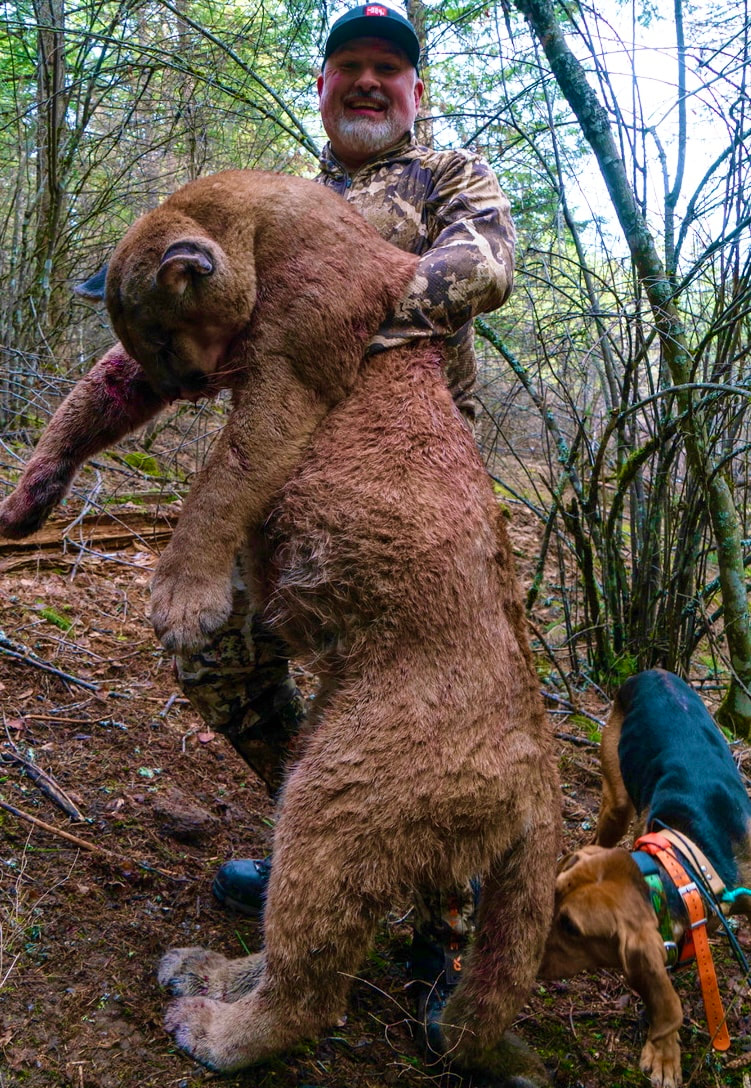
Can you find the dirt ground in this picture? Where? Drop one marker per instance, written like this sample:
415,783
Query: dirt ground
163,802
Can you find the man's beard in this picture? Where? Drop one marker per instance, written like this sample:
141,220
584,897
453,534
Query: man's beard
366,136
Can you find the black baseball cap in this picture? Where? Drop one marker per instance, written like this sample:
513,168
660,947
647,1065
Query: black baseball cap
374,21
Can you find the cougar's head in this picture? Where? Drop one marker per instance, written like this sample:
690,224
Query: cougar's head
177,304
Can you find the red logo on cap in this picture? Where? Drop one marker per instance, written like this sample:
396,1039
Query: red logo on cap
373,9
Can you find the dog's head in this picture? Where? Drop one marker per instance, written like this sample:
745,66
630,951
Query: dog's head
601,914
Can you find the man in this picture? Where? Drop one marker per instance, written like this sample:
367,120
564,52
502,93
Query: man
446,207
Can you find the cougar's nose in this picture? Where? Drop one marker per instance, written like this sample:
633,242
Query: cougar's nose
195,381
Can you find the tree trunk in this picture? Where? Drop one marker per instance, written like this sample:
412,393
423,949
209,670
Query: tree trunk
415,10
51,103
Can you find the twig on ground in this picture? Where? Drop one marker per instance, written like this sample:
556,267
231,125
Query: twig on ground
45,781
90,846
583,742
19,652
54,719
169,704
574,709
551,655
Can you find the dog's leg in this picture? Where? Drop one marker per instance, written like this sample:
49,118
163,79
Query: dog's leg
643,959
514,918
616,809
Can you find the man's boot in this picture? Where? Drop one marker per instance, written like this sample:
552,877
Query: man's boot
241,885
444,926
264,738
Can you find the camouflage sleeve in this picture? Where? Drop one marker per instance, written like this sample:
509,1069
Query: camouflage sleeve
469,266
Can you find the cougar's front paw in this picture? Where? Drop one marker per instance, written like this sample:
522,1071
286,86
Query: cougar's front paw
187,607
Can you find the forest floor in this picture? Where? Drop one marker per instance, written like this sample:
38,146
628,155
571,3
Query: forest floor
164,802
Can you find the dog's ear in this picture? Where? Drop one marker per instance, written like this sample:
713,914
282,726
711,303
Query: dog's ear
640,948
182,261
568,861
582,937
587,914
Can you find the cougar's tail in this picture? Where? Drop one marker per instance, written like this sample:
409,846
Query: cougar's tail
514,916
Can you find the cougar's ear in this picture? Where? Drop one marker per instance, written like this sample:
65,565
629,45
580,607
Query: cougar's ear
93,288
181,261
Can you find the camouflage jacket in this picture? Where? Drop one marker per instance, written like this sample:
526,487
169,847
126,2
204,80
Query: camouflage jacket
446,207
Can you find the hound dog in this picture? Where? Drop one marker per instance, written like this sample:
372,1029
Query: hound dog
664,759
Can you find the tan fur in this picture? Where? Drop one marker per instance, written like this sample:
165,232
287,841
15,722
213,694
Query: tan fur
616,809
287,279
602,918
377,550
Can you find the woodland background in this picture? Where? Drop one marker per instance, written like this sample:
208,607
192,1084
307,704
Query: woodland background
615,383
615,391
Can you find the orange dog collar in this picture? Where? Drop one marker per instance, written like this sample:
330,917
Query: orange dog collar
696,938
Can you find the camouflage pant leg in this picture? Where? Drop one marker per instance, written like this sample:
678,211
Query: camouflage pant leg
444,923
239,683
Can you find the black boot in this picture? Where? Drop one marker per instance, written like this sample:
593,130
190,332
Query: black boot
241,885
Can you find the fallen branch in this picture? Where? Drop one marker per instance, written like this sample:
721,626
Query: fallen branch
54,719
103,529
582,742
112,855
